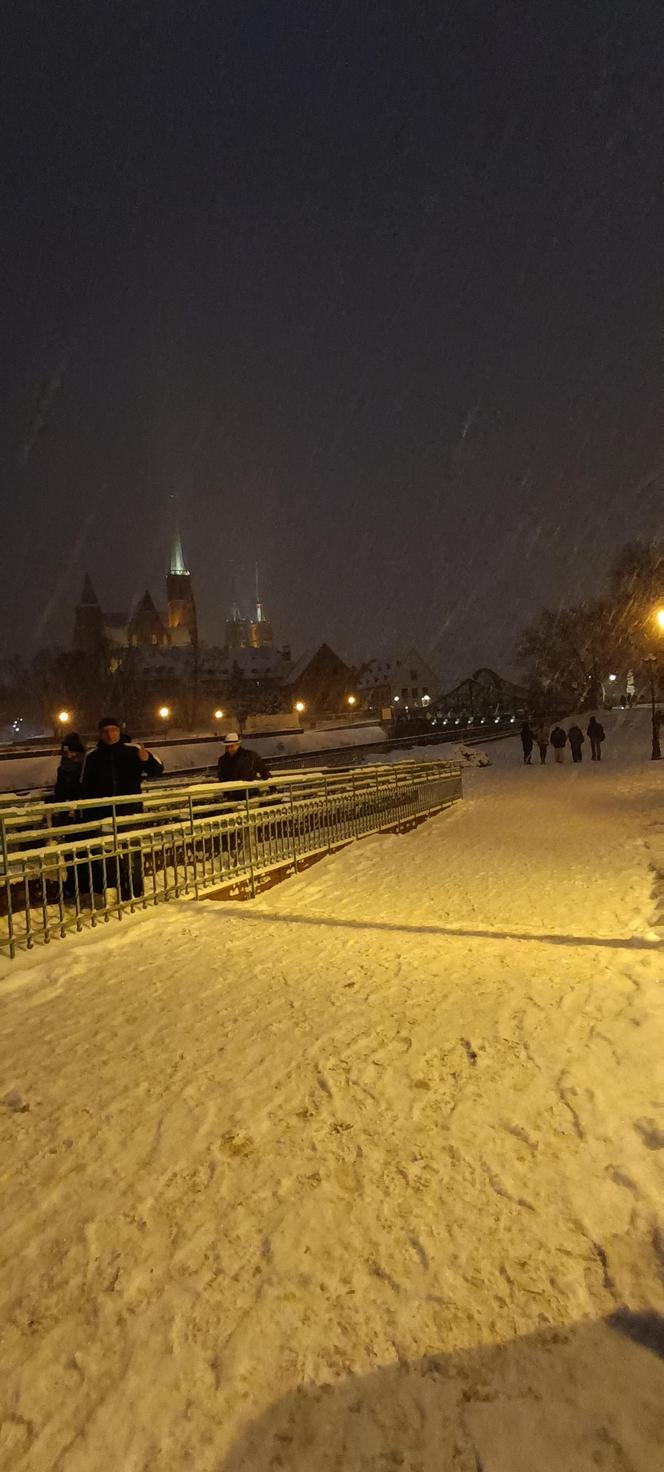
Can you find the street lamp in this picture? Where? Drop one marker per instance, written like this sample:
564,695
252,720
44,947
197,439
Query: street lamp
299,706
218,715
651,662
164,712
64,719
351,700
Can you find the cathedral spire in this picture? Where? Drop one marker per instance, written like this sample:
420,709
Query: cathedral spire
178,565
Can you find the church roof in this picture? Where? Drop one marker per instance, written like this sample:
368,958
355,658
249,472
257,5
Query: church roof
88,597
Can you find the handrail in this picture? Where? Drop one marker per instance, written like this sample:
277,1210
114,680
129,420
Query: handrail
60,877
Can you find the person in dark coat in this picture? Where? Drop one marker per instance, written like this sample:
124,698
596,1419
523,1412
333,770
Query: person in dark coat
68,775
576,740
527,742
239,764
115,769
596,734
67,790
558,742
542,739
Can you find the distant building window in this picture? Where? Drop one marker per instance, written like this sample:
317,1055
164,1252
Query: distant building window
414,692
404,693
413,674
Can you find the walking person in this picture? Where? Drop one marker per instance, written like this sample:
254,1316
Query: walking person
116,769
596,734
527,742
558,742
576,740
542,739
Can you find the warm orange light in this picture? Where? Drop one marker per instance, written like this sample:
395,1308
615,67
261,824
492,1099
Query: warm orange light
659,619
352,700
164,712
218,715
299,706
64,717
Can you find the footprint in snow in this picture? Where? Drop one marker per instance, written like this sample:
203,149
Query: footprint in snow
651,1134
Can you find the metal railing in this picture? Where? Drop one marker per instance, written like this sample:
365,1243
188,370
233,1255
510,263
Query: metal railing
63,869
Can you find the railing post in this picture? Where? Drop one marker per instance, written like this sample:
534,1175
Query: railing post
116,847
251,846
194,856
292,823
4,852
326,797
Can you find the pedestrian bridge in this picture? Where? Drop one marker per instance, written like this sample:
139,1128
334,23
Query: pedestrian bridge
63,870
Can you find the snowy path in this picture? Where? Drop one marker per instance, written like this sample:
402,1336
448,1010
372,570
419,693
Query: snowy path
354,1176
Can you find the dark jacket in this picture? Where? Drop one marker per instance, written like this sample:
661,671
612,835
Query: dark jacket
116,771
576,736
527,737
68,779
558,737
245,766
595,729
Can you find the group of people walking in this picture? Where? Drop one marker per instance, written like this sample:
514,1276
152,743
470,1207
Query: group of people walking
558,738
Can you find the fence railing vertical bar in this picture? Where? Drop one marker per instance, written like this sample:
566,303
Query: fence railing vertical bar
194,855
7,889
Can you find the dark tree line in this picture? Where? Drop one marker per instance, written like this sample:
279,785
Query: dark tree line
569,652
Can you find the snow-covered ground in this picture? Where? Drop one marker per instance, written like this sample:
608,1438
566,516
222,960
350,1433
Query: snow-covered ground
365,1174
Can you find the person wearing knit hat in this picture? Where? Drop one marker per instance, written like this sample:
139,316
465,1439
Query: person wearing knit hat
67,791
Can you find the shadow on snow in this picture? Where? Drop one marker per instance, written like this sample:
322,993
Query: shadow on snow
575,1398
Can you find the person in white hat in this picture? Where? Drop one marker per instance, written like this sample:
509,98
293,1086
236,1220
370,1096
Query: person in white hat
238,763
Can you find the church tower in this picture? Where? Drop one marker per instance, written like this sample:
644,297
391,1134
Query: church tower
260,628
89,631
179,595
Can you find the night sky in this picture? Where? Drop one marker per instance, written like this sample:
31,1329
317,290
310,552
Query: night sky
374,289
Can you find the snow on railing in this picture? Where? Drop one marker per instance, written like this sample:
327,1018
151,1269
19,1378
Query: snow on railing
64,868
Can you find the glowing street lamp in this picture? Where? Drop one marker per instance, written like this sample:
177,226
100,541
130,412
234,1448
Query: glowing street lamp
299,706
659,619
351,700
164,712
218,715
64,717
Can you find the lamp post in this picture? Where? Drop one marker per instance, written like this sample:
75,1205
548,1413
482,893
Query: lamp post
651,662
64,719
164,713
299,706
656,753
